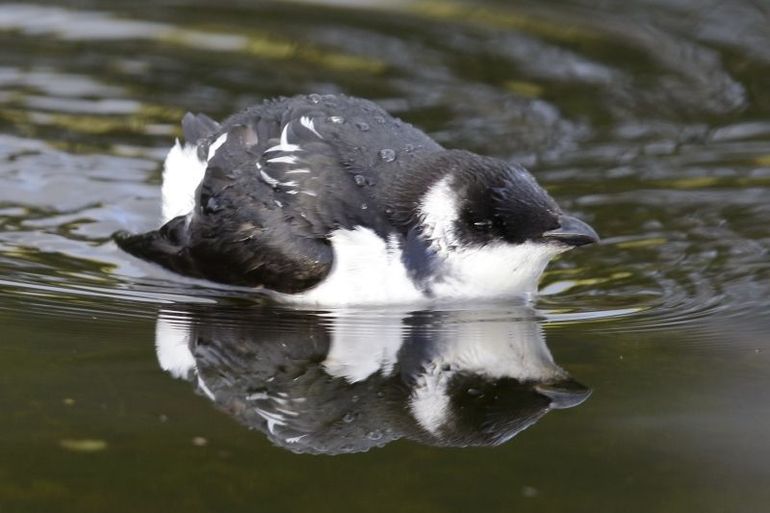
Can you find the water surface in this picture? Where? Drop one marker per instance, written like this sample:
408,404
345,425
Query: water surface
127,388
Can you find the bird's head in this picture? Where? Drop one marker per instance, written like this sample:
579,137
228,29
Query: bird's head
491,225
481,200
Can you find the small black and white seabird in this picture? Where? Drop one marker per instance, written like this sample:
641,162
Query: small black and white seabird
330,200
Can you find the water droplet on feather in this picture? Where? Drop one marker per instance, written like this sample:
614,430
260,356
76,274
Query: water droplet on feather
388,155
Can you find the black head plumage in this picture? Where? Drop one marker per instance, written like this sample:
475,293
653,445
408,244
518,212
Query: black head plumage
496,201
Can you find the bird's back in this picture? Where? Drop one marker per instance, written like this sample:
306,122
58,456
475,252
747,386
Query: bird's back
331,157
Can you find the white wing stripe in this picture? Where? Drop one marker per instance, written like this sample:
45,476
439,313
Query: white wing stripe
284,144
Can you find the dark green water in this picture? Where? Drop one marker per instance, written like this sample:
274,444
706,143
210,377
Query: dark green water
650,119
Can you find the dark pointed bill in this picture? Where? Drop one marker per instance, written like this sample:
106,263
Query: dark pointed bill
572,231
564,394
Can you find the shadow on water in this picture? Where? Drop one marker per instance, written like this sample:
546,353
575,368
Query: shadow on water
344,382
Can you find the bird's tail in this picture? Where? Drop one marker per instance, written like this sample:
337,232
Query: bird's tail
166,246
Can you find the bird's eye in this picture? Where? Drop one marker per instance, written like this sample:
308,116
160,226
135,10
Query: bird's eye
482,226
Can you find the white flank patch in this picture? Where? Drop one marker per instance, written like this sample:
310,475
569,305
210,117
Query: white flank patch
172,346
182,173
366,270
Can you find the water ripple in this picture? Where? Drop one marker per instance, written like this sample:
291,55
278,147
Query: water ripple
648,120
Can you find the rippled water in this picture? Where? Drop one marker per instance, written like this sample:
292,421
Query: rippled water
650,119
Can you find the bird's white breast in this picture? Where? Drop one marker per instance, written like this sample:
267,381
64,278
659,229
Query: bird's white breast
496,270
367,270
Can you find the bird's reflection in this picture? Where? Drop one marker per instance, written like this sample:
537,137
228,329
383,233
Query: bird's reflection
345,382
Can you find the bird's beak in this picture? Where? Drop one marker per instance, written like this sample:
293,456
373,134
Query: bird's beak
572,231
564,394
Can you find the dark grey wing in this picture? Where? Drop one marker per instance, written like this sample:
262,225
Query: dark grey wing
250,255
240,232
373,151
376,149
273,192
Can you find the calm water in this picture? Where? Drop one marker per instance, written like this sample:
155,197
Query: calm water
650,119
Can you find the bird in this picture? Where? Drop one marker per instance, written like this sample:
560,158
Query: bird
329,200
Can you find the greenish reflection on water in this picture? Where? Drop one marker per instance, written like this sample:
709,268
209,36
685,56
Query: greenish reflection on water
650,119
